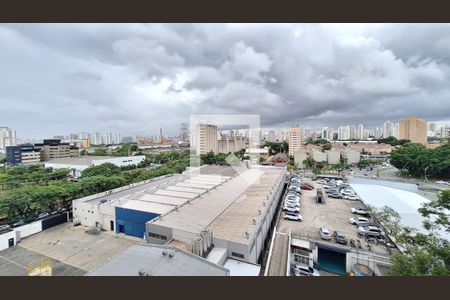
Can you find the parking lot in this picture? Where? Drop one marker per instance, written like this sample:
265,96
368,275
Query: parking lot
334,214
71,245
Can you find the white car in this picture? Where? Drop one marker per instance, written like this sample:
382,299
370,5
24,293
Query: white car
359,211
354,197
295,209
325,234
293,216
355,221
296,201
347,192
370,231
304,270
292,198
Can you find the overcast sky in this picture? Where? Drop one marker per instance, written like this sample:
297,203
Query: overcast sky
136,78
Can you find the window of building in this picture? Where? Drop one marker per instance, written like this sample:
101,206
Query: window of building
237,255
157,236
301,259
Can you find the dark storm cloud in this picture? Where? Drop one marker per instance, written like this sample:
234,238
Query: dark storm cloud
137,78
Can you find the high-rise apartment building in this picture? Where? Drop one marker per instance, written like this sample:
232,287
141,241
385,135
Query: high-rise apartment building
325,134
117,139
396,130
294,141
388,129
413,129
206,139
7,138
360,132
184,132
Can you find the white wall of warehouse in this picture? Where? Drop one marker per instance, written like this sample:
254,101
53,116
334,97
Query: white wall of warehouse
4,237
27,230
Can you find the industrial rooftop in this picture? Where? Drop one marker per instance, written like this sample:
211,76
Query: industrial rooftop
228,209
155,260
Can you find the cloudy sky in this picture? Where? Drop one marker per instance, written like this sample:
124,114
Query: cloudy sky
136,78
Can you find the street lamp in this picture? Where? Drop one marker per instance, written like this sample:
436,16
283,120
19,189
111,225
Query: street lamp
426,179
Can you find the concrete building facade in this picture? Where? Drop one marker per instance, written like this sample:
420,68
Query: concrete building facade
413,129
22,155
206,139
294,140
54,148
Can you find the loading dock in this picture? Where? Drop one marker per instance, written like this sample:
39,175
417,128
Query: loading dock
331,259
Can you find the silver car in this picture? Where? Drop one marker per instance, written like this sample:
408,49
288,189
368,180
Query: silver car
325,234
293,216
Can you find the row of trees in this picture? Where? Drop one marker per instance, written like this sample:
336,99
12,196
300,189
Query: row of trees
393,141
276,147
418,160
424,253
14,177
25,201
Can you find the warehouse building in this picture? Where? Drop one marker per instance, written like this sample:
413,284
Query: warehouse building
209,214
234,218
127,209
78,164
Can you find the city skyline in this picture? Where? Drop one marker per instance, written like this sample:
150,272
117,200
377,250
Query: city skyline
137,78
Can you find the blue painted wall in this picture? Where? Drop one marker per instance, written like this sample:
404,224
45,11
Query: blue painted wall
132,222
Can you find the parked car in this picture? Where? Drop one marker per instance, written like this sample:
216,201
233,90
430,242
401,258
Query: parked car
340,237
18,223
325,234
359,211
294,209
355,221
5,226
292,203
370,231
293,197
304,270
306,187
354,198
42,215
335,195
292,216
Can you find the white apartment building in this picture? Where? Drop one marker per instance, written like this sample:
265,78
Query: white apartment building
333,157
360,132
299,157
319,156
396,130
295,141
206,139
388,129
7,138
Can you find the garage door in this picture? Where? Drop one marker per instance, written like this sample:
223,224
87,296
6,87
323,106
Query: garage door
332,261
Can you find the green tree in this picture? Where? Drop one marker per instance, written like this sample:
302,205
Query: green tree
208,158
436,212
105,169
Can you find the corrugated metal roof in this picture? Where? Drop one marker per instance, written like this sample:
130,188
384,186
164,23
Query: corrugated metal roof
202,211
156,208
162,199
176,194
